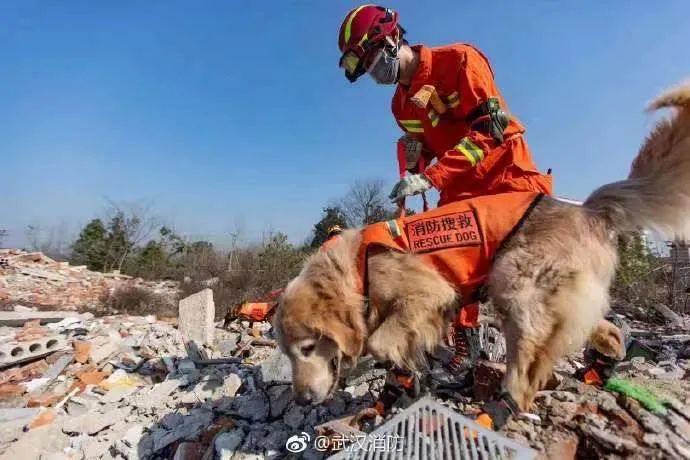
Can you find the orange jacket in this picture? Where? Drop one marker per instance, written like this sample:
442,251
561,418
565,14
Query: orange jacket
470,162
459,239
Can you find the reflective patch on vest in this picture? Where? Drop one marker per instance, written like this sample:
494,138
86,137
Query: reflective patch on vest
453,99
441,232
433,117
393,228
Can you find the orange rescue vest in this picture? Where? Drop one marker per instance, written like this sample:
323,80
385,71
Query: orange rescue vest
459,239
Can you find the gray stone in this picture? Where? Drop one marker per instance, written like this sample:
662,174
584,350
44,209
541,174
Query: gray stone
275,439
336,406
245,456
170,421
277,368
197,314
280,396
294,417
254,406
92,423
227,444
186,366
193,425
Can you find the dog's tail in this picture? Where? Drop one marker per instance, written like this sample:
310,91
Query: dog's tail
656,194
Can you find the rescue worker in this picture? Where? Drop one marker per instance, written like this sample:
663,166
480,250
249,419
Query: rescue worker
448,105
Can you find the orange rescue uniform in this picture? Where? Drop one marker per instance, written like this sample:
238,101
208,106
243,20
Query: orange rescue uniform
469,161
460,239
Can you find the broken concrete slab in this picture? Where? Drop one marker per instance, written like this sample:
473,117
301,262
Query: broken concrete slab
92,423
277,368
197,315
18,318
103,347
8,414
157,397
16,352
231,385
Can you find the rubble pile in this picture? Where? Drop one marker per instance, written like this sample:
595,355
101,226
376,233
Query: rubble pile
35,279
76,386
136,387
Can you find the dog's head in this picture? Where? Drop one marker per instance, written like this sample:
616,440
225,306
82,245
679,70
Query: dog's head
320,326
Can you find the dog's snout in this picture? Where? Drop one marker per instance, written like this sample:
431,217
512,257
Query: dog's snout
304,397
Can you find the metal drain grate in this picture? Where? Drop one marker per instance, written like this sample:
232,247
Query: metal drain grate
429,431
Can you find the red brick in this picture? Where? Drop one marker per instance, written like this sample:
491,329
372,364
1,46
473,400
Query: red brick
44,400
91,377
46,418
564,449
81,351
11,390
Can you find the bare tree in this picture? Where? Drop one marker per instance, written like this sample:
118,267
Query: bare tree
52,241
364,203
130,224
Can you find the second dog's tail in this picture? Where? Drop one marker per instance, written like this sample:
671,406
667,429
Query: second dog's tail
656,194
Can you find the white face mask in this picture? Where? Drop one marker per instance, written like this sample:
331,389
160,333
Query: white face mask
385,67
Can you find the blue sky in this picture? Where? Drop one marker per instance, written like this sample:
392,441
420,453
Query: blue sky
225,113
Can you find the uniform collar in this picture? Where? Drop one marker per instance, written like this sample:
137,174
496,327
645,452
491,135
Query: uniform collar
423,72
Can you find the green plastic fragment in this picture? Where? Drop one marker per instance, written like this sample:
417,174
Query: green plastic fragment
643,395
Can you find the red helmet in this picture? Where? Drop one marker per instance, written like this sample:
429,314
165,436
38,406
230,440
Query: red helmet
362,28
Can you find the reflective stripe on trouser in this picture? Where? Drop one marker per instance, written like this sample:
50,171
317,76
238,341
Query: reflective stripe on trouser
412,126
471,150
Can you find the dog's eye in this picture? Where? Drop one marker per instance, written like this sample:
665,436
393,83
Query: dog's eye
307,349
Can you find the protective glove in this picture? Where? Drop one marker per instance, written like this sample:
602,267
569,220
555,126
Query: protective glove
411,184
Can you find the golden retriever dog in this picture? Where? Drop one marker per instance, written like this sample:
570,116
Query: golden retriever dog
549,284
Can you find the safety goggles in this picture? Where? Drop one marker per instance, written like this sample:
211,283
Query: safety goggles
358,60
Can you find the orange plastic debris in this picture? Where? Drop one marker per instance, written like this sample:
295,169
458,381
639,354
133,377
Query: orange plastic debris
591,377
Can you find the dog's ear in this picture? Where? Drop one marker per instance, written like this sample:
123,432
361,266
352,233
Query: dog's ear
347,332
